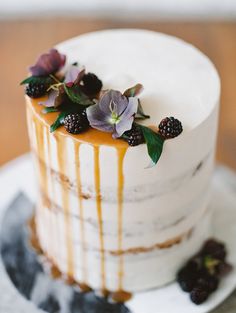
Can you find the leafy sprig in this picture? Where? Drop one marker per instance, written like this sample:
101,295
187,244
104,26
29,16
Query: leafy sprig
154,143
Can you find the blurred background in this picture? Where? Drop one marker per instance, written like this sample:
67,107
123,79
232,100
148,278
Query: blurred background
28,28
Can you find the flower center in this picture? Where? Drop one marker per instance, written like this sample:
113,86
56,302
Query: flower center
115,118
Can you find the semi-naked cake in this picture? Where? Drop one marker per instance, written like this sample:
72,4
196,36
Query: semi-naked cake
107,218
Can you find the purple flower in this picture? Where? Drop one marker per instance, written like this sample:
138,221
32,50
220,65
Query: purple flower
48,63
55,98
74,75
113,113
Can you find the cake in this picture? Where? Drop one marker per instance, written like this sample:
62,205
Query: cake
105,218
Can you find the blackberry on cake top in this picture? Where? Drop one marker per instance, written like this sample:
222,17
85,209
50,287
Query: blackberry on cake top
36,90
170,127
76,123
92,85
134,136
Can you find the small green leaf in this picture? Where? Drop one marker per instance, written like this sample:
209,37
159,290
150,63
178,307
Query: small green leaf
140,115
77,96
49,110
37,80
154,143
210,264
59,121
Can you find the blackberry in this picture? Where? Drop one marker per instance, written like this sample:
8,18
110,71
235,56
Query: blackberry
187,279
199,295
223,269
214,249
92,85
36,90
170,127
76,123
194,264
187,284
134,136
208,282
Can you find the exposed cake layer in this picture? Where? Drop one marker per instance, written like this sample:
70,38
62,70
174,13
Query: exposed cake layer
104,217
162,259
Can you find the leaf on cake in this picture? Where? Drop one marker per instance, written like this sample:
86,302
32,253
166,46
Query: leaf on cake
154,143
77,96
58,122
49,110
37,80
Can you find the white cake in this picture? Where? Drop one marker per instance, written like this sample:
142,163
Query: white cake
104,218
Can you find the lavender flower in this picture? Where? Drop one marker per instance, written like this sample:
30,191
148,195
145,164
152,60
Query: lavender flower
48,63
55,98
113,113
74,75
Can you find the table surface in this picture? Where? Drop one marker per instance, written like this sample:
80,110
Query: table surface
21,42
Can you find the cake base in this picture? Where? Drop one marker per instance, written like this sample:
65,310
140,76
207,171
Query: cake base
51,269
27,274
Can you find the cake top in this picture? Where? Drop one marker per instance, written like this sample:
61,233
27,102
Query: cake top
140,78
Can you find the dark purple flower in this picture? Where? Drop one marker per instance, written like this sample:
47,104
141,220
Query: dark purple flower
113,113
48,63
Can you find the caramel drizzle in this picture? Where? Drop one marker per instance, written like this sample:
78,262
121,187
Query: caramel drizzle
43,179
81,214
99,213
120,189
61,157
54,225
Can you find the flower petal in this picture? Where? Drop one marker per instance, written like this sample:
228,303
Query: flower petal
126,118
48,63
114,112
98,119
51,99
74,74
123,126
131,108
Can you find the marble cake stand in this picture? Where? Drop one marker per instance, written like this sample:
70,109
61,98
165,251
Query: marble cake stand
26,288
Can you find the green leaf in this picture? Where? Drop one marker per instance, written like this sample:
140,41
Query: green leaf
154,143
59,121
140,115
77,96
37,80
49,110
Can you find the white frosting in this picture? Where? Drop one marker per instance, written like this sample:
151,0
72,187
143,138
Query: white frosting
160,203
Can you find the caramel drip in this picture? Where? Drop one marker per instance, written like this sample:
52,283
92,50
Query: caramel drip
54,225
65,203
39,128
43,179
81,213
120,189
99,213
